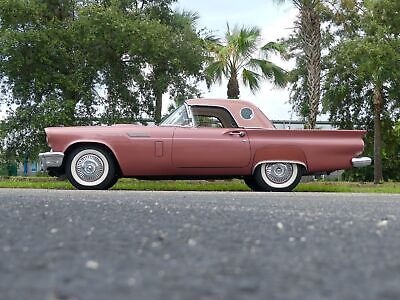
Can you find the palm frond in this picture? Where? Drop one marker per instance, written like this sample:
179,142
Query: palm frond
211,38
247,40
274,47
280,76
214,72
299,4
191,15
234,56
264,65
186,18
251,79
229,34
269,71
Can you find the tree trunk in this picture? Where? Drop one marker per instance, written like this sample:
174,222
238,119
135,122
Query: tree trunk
159,86
378,105
158,108
233,87
310,32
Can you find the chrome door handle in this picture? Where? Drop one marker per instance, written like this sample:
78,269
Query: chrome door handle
239,133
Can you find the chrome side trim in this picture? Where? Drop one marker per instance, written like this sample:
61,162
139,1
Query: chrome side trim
359,162
279,161
137,134
50,160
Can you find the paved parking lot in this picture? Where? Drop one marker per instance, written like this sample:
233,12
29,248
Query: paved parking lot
198,245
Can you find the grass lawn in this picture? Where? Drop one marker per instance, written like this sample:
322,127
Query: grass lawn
201,185
349,187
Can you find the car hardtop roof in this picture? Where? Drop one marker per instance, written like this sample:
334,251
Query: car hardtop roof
234,106
219,102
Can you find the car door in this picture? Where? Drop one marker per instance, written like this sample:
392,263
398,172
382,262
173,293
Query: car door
196,147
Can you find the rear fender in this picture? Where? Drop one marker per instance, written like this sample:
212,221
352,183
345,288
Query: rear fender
280,154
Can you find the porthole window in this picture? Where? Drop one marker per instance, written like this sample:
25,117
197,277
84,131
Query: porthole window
247,113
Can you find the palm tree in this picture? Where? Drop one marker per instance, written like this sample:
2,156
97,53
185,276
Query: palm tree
234,59
309,25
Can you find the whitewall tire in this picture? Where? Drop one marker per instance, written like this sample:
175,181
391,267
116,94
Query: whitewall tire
90,168
252,184
278,176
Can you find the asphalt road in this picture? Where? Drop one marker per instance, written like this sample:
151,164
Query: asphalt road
64,245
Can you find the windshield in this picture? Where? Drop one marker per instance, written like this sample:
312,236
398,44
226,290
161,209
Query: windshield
179,117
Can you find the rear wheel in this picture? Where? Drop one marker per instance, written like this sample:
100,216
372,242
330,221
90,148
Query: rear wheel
91,168
113,181
278,177
252,184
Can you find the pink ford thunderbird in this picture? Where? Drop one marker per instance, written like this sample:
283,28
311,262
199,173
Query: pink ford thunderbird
201,139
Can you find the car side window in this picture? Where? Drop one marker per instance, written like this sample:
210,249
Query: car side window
207,121
247,113
212,117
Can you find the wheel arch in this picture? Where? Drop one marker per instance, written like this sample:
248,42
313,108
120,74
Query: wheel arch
105,147
292,155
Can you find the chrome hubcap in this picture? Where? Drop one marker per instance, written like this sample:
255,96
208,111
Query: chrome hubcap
279,172
89,167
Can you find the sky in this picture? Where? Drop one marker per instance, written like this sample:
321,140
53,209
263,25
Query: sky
275,21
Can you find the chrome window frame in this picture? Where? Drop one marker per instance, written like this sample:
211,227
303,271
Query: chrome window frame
188,114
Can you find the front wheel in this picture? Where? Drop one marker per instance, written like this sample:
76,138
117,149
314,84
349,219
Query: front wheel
90,168
278,177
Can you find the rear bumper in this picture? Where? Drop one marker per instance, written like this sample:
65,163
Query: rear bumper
359,162
50,160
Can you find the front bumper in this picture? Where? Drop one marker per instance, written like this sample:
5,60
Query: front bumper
50,160
359,162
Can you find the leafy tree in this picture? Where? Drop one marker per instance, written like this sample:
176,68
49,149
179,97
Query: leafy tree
235,59
150,57
362,82
39,63
78,62
180,59
308,32
359,39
